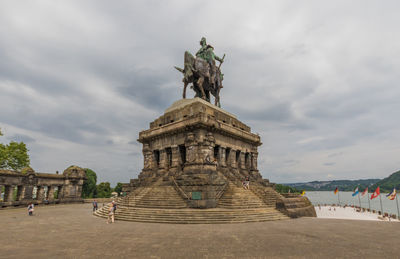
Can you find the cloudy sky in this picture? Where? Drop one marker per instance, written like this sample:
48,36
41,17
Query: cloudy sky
318,80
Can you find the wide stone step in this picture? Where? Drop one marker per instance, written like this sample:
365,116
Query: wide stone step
175,212
193,216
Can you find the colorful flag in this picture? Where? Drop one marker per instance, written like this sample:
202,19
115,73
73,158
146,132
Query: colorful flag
355,192
376,193
392,195
336,190
364,192
303,192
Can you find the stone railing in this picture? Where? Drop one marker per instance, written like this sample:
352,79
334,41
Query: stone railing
179,189
221,192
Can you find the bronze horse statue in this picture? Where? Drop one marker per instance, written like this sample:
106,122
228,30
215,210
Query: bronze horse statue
205,79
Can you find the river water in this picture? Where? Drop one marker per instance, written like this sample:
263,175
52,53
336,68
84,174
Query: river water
328,197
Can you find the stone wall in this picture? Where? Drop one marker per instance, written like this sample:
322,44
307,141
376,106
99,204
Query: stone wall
37,188
296,207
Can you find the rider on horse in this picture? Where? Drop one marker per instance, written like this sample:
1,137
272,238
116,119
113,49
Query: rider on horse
206,52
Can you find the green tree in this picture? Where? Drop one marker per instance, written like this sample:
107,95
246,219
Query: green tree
17,155
285,189
104,190
14,155
118,188
387,184
3,156
89,188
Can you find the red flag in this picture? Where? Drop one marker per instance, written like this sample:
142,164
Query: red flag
376,193
336,190
364,192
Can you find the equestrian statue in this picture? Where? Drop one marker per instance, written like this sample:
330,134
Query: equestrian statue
203,73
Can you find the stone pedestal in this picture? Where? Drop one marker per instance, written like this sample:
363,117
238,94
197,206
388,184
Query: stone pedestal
192,142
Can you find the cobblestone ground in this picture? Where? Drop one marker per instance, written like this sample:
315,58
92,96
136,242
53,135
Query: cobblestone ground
70,231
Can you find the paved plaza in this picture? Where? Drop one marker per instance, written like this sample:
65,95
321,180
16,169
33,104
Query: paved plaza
71,231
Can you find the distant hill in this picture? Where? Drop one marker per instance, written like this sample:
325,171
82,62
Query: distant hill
387,184
343,185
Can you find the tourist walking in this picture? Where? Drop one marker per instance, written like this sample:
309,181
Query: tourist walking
115,206
30,209
111,208
94,205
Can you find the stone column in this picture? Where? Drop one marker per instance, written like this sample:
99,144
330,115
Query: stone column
248,161
254,157
8,193
28,189
163,166
242,159
79,189
40,193
61,192
222,156
176,160
20,192
148,161
50,193
232,158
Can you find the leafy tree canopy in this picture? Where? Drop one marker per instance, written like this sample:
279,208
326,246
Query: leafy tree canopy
285,189
118,188
104,190
89,188
387,184
14,155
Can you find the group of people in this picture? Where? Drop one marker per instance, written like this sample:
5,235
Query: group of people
111,210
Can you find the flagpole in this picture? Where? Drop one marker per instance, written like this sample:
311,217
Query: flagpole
359,200
369,203
338,197
380,198
397,202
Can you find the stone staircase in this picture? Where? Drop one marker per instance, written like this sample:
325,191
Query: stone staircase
160,203
239,198
195,216
164,197
266,194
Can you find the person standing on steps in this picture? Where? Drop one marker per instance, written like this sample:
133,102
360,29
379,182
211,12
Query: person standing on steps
114,207
247,183
110,218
